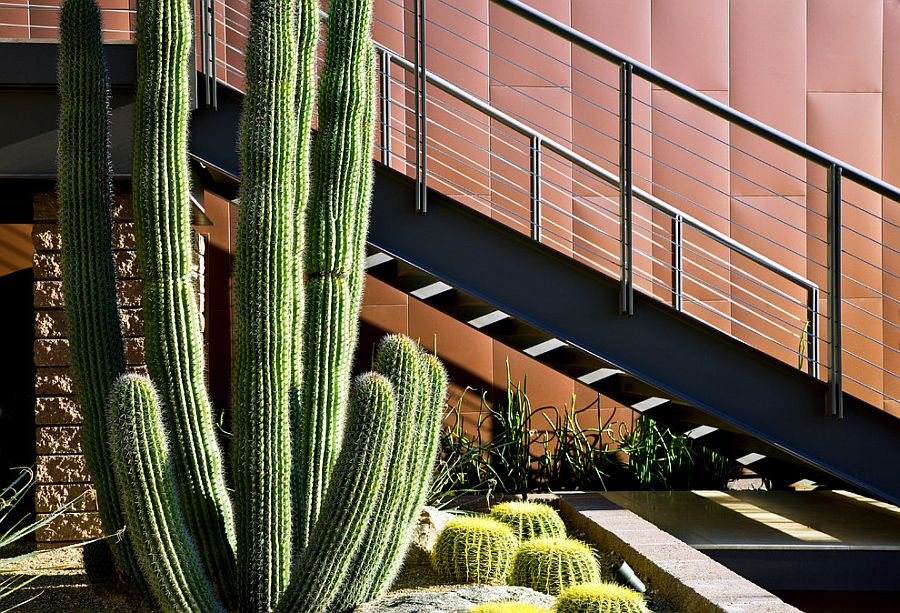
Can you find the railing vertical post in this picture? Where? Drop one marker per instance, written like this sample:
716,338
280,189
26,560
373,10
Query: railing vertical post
385,107
535,191
206,24
626,301
835,391
812,336
421,134
677,263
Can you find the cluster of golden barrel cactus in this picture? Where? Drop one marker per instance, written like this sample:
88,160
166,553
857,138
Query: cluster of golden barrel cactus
525,544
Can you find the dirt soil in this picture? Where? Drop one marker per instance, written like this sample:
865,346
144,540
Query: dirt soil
59,585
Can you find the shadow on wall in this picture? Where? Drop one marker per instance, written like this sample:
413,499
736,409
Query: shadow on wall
17,375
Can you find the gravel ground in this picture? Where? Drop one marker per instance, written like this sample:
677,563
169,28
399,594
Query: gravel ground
60,585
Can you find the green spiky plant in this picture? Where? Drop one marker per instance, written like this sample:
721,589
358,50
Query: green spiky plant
315,524
552,565
508,606
474,549
601,598
529,520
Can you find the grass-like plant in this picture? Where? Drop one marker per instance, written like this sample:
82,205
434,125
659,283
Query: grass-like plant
529,520
601,598
552,565
508,606
13,533
474,549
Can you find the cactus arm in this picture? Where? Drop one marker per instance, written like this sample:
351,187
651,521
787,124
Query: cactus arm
160,537
417,383
428,425
307,22
89,275
174,343
263,263
360,475
341,160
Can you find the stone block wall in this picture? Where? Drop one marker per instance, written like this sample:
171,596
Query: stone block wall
61,471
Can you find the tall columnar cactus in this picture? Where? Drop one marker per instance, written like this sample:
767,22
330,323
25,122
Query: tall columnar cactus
174,343
551,565
317,525
336,219
264,263
89,275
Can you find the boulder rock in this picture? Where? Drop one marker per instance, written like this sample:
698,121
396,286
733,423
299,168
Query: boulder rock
453,600
431,521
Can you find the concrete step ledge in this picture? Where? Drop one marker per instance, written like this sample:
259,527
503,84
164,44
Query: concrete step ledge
691,580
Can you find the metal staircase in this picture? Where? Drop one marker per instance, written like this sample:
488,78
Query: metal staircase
627,280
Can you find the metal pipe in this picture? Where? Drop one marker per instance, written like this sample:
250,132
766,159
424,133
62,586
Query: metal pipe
385,107
813,333
626,292
705,102
678,263
421,110
835,376
536,188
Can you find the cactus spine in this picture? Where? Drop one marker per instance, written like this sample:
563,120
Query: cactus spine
552,565
304,502
89,275
264,263
174,344
166,551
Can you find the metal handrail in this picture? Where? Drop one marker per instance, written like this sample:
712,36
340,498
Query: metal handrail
679,218
688,93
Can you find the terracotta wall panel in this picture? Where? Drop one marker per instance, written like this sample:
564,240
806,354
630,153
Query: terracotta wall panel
625,26
845,45
16,247
848,125
690,41
525,54
768,82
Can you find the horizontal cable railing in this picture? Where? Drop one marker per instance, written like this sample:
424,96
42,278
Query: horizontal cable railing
626,170
39,20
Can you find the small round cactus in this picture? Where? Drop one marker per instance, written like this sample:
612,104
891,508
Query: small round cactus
601,598
552,565
509,606
530,520
474,550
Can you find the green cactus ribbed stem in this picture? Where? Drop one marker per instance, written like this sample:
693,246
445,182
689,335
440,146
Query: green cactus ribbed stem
174,343
426,426
473,549
601,598
264,264
400,360
360,475
551,565
338,205
307,23
530,520
89,274
141,461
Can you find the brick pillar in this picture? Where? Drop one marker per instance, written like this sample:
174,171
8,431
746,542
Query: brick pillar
61,471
